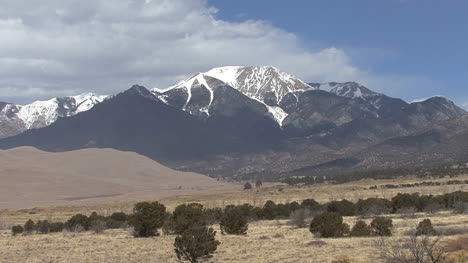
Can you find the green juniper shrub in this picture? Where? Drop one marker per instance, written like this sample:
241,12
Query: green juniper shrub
360,229
195,243
185,216
282,210
256,213
234,222
15,230
94,217
116,220
78,220
424,201
449,200
119,216
310,204
42,227
213,215
425,228
114,224
270,210
56,227
29,226
343,207
147,218
373,206
382,226
247,210
329,224
402,201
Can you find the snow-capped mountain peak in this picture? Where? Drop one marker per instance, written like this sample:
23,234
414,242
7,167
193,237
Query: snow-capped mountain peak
258,81
253,81
265,84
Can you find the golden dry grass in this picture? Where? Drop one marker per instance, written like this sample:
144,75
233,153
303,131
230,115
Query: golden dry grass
266,241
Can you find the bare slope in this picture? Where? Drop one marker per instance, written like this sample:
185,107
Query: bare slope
30,177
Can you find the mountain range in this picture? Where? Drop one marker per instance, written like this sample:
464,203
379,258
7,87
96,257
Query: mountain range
244,121
16,119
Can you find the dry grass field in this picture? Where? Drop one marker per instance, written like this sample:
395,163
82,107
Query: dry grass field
266,241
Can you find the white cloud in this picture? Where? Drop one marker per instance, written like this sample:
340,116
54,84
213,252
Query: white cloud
65,47
59,47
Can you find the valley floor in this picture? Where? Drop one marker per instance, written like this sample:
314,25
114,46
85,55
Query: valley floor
266,241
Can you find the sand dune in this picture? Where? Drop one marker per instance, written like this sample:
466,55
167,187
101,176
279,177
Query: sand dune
30,177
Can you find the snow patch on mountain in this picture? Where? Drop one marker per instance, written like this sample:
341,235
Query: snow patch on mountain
86,101
278,113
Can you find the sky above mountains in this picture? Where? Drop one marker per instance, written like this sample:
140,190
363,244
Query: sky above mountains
404,48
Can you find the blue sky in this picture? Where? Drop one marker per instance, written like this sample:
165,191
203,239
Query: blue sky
414,40
410,49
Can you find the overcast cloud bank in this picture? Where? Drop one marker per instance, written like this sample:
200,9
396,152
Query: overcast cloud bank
61,48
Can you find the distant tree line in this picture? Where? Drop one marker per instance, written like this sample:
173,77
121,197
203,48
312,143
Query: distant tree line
429,183
309,178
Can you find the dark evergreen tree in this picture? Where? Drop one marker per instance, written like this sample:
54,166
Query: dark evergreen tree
270,210
15,230
310,204
29,226
382,226
425,228
78,220
56,227
329,224
184,216
360,229
343,207
234,222
147,218
195,243
42,227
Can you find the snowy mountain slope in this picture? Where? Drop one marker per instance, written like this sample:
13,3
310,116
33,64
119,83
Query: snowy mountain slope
15,119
